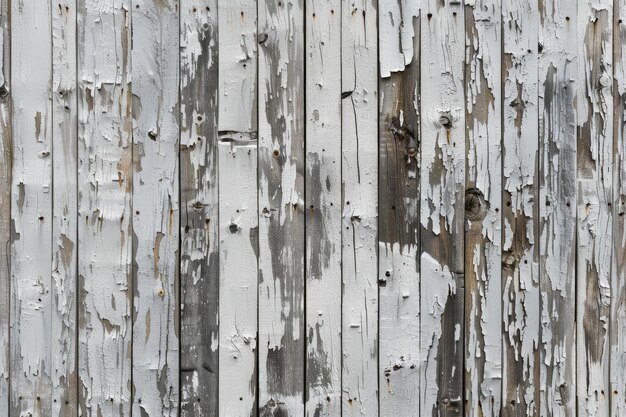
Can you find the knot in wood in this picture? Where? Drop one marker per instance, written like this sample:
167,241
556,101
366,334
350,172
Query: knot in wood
475,206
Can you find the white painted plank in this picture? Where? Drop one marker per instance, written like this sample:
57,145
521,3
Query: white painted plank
199,263
5,204
104,209
618,267
64,206
281,207
557,63
520,262
238,218
238,274
155,68
359,87
323,207
594,106
31,210
483,230
442,178
399,193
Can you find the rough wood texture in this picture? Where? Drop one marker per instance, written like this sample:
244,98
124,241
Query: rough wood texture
155,66
557,63
323,207
359,173
199,257
442,180
238,215
6,147
281,207
520,193
32,341
618,267
594,104
399,239
64,208
483,237
104,208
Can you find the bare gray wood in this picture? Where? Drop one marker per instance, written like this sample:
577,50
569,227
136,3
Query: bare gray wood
199,245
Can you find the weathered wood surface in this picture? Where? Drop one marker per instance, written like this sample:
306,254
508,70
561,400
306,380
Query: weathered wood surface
312,208
199,256
323,207
483,228
359,225
399,238
5,204
520,209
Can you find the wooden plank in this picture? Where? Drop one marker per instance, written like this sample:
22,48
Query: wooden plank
6,147
238,211
594,106
442,178
64,209
557,209
155,67
281,207
323,203
31,210
359,173
520,211
199,263
618,267
398,236
104,208
483,237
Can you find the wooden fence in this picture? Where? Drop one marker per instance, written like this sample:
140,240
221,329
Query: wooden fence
312,208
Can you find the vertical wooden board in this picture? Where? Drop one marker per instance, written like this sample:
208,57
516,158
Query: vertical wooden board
398,205
238,274
442,178
104,208
31,210
64,208
594,225
281,207
520,246
557,63
238,215
155,55
359,177
323,207
483,240
618,271
199,263
5,203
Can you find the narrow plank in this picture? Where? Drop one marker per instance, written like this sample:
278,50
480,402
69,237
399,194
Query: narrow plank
31,210
483,230
104,208
155,67
323,207
442,178
594,225
359,177
557,63
199,263
618,271
5,204
398,205
64,209
520,211
238,215
281,207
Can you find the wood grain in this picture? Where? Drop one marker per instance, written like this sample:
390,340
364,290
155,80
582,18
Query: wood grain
199,256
